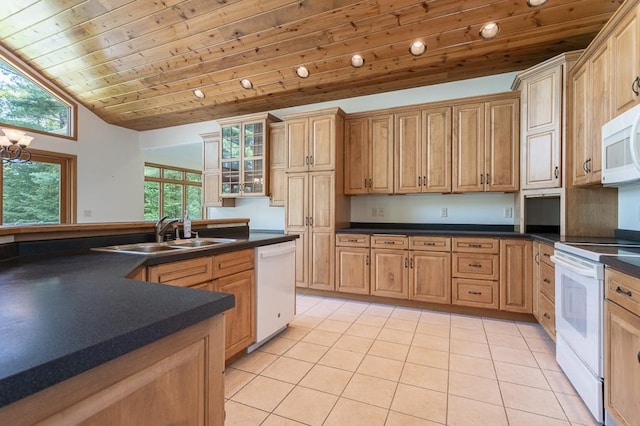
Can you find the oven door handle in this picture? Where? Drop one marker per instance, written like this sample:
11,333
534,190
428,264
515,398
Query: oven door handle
587,272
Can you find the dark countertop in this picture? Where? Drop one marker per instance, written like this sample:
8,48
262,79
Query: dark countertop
625,264
61,315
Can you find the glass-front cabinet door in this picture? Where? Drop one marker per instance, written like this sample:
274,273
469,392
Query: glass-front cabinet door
243,156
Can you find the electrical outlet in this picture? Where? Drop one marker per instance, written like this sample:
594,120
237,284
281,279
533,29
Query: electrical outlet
444,212
508,212
380,211
87,213
374,212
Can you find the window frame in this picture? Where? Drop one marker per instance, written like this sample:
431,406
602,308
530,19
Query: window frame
54,91
184,183
68,184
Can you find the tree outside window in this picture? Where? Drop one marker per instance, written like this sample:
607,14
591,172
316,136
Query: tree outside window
170,191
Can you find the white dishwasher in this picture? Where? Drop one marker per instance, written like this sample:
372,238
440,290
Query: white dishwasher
275,290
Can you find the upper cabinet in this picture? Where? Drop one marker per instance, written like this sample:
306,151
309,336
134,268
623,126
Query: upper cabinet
277,160
543,99
310,143
423,151
244,155
368,155
624,43
486,145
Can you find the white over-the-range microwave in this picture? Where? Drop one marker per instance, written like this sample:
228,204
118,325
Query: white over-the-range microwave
621,149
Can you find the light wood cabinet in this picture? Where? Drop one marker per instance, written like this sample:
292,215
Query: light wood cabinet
244,155
369,155
430,269
625,61
353,263
486,145
543,287
390,266
211,174
178,379
315,201
277,178
516,274
475,272
543,92
622,348
227,273
423,151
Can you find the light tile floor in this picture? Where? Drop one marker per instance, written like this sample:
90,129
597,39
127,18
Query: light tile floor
350,363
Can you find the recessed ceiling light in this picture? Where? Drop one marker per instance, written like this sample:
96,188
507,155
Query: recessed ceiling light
198,94
417,48
302,71
246,83
357,61
535,3
489,30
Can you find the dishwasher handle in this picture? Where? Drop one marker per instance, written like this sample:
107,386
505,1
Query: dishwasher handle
276,253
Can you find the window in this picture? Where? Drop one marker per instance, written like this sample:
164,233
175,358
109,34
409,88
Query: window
29,103
39,192
170,191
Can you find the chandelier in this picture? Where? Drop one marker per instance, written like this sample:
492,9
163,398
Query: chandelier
13,146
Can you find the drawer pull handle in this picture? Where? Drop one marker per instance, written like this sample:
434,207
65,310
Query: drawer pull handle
547,280
475,265
388,242
547,316
428,244
546,254
352,241
406,262
477,293
626,293
475,245
537,258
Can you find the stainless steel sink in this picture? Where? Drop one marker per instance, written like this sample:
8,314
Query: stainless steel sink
167,247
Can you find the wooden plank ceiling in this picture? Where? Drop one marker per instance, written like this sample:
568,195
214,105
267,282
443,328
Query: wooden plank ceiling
135,63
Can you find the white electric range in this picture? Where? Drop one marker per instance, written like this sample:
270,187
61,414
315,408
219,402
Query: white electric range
579,301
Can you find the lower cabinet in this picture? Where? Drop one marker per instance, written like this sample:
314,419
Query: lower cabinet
390,266
231,273
475,272
516,278
178,379
622,348
543,287
476,293
353,263
430,269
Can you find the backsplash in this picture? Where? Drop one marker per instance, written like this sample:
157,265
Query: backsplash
629,207
483,208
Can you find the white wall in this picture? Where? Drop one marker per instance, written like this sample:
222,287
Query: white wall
256,209
110,169
629,207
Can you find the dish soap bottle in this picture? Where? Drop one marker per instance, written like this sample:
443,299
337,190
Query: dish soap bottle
186,225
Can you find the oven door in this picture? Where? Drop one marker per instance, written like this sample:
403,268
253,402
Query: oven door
579,308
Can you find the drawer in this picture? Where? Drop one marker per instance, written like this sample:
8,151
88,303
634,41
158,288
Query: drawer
476,245
623,289
400,242
232,262
430,243
480,266
547,315
548,281
353,240
477,293
184,273
546,251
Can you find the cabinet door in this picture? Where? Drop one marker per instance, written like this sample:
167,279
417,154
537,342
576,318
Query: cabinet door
535,288
430,277
277,159
352,270
302,259
239,320
211,176
381,155
502,130
516,274
321,260
254,152
625,63
622,364
297,217
356,156
322,201
231,162
468,148
408,158
297,142
580,114
322,147
599,109
389,273
436,150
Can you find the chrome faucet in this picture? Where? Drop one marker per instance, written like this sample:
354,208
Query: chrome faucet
162,226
